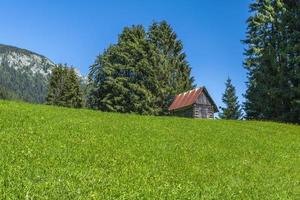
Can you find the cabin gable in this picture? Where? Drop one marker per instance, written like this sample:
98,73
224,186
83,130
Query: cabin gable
203,99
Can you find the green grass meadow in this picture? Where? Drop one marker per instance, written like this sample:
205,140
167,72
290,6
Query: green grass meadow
58,153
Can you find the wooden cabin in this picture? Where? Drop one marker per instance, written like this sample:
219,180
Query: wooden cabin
195,103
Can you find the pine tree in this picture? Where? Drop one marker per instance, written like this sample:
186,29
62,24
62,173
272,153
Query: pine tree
174,73
291,21
232,109
56,89
257,62
73,94
64,88
120,76
271,51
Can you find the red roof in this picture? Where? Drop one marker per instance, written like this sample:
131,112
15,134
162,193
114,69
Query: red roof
186,99
189,98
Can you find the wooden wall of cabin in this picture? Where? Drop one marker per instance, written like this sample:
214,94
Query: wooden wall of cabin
203,111
203,107
186,112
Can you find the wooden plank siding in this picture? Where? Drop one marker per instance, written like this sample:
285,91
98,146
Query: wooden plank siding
203,108
203,111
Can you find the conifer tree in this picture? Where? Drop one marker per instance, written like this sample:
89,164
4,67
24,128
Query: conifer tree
291,27
121,76
232,109
64,88
174,73
73,91
272,40
56,89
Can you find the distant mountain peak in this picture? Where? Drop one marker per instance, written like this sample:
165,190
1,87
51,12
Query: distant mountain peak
24,73
25,60
6,48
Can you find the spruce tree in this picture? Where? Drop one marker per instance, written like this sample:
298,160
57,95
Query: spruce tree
56,88
232,109
291,22
73,96
64,88
271,61
120,76
174,73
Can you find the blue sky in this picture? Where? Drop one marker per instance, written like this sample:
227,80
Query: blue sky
75,32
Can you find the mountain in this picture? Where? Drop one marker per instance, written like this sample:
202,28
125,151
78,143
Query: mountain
23,74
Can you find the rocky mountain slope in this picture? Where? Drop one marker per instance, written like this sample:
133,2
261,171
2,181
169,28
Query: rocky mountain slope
23,74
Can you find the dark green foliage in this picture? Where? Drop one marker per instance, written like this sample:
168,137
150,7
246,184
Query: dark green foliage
232,109
174,75
56,89
272,62
7,94
292,45
64,88
121,76
141,73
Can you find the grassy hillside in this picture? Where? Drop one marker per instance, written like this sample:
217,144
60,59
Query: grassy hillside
57,153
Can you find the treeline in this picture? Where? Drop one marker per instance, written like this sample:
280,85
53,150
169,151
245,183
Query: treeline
146,68
140,74
7,94
273,61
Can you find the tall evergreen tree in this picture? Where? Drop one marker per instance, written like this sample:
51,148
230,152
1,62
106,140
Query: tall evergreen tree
56,88
174,74
139,74
64,88
232,109
73,91
271,41
121,76
291,45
